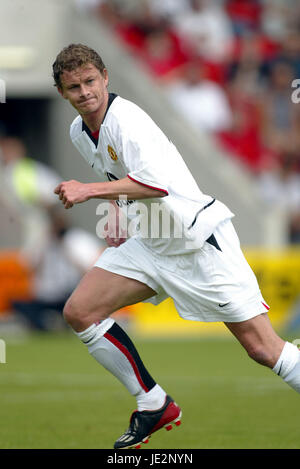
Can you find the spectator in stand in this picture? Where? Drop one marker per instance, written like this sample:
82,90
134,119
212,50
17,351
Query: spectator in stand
208,29
201,102
30,180
277,109
295,137
289,52
163,54
280,188
30,185
244,15
169,9
243,139
126,20
278,17
149,36
245,91
245,68
252,53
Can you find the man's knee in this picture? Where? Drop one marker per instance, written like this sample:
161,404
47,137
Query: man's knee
71,312
80,316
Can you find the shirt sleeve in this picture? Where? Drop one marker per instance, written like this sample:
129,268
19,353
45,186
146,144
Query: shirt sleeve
145,151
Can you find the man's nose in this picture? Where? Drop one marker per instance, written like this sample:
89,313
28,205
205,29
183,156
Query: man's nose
84,91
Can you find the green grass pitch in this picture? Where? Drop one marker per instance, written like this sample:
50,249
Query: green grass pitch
54,395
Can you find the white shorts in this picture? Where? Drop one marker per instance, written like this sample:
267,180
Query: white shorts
209,285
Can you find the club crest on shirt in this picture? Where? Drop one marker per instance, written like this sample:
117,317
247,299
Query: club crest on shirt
112,153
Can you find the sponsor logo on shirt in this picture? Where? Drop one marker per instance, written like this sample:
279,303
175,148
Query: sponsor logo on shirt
112,153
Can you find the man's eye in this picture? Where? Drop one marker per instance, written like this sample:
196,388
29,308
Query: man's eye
91,80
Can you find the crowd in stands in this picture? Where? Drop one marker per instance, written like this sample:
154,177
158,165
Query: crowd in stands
228,66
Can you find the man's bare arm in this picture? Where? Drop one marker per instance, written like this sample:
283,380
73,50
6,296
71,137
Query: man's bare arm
75,192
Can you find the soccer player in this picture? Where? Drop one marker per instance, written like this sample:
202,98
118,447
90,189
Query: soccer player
203,269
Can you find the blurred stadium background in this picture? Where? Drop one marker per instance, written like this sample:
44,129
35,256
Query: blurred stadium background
218,77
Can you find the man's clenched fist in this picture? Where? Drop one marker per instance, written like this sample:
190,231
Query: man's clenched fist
72,192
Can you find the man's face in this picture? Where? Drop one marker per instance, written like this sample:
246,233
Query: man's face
85,88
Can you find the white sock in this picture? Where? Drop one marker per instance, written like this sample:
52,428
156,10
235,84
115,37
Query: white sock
90,335
151,400
114,350
288,366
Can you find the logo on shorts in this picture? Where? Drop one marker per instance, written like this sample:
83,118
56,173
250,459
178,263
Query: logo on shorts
223,304
112,153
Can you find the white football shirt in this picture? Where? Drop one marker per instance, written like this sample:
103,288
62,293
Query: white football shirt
130,144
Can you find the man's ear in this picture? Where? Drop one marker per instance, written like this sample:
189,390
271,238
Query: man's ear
105,76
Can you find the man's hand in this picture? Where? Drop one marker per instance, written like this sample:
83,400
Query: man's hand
112,241
72,192
115,230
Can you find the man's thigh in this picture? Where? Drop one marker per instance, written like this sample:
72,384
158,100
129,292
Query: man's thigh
101,292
